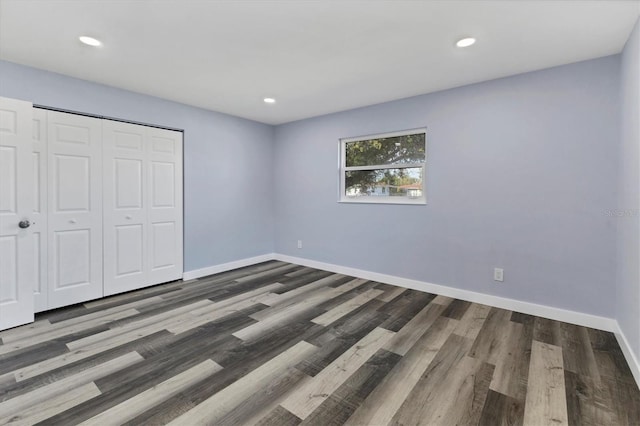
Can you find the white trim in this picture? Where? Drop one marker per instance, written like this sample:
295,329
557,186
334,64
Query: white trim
385,135
223,267
632,360
578,318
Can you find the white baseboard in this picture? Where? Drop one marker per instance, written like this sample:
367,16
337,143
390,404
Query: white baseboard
223,267
632,360
578,318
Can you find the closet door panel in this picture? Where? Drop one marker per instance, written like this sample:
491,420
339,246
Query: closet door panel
39,224
75,208
125,216
165,205
16,205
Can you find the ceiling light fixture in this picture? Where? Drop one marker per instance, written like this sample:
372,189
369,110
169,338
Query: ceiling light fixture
269,101
465,42
90,41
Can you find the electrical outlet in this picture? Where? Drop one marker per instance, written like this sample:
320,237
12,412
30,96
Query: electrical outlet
299,244
498,274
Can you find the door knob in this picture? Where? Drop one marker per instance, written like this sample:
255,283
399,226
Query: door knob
24,224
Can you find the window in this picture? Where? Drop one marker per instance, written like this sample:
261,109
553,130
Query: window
384,168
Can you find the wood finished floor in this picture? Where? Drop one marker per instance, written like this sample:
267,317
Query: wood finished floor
280,344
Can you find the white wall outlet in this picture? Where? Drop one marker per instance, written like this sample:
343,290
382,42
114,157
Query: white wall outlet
498,274
299,244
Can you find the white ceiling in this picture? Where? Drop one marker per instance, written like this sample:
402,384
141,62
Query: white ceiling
314,57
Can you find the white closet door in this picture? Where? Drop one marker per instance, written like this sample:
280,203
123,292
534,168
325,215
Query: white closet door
39,215
16,238
125,216
75,208
164,201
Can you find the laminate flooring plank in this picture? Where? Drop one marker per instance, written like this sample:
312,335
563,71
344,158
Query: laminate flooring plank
291,283
282,317
443,300
56,404
302,271
138,328
145,400
7,380
72,360
392,293
20,358
546,331
263,401
273,317
456,309
126,298
490,342
27,329
404,308
347,307
512,361
281,270
472,321
238,359
221,403
577,352
452,390
341,404
15,405
408,335
81,322
501,410
24,386
57,331
624,399
279,417
385,400
587,401
231,276
293,297
328,380
340,337
223,308
609,358
521,318
546,401
177,357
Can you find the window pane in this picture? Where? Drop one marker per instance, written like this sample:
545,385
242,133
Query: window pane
405,182
383,151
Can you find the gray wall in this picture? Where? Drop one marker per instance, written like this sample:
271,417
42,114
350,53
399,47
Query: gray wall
628,279
520,171
228,204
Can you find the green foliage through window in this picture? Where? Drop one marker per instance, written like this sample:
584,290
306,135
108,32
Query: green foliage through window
385,167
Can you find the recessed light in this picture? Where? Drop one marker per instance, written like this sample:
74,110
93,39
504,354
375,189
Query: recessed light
90,41
269,100
465,42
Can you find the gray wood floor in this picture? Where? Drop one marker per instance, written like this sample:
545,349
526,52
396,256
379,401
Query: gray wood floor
280,344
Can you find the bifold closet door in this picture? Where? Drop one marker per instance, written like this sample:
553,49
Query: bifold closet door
39,215
142,206
16,238
75,208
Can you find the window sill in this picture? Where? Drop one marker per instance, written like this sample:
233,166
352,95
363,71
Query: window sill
420,201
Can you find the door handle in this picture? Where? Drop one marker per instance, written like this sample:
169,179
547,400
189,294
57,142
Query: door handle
24,224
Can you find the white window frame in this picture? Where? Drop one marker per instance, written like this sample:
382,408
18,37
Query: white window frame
343,198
